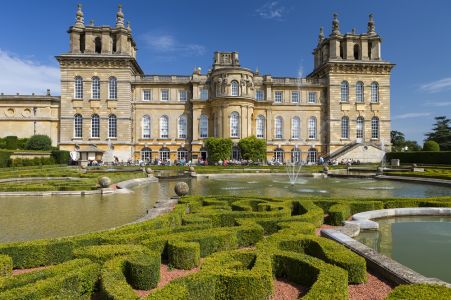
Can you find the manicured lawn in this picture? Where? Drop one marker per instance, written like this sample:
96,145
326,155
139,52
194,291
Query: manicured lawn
86,181
429,172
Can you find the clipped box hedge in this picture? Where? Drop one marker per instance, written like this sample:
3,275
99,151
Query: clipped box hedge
184,255
68,282
420,292
422,157
6,265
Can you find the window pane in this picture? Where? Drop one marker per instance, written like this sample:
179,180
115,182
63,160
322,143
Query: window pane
164,127
344,91
183,95
146,127
78,93
112,88
260,95
234,124
164,95
312,97
204,94
295,128
279,128
295,97
182,127
260,127
95,93
95,126
78,126
112,126
312,128
278,97
203,126
235,88
147,95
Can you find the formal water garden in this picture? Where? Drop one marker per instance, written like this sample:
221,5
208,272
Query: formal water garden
241,233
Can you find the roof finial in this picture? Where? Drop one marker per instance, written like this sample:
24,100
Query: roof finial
335,25
91,23
371,26
321,35
120,17
129,26
79,17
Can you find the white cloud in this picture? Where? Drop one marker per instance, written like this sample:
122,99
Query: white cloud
272,10
25,76
438,103
168,44
411,115
437,86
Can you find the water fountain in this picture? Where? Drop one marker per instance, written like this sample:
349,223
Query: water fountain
293,169
383,164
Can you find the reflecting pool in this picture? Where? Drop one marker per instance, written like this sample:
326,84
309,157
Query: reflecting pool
27,218
422,243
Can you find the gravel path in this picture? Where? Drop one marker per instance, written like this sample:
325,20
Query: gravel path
285,290
374,289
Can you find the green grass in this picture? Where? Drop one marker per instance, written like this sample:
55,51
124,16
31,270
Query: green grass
434,172
86,181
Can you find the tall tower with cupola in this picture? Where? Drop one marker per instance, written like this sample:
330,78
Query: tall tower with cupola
96,91
358,89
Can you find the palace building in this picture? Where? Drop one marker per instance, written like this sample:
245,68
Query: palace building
340,110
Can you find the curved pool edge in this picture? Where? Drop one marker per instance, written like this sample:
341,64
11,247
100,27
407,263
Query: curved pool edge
381,264
364,219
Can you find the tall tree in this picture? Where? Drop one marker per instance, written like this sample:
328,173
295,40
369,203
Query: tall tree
397,140
441,133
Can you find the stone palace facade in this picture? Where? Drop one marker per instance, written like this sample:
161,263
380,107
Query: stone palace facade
340,110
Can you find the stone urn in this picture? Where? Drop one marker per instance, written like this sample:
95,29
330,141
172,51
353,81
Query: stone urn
380,171
148,171
181,189
325,169
104,182
191,169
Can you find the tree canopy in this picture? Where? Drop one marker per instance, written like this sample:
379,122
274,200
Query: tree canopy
441,133
252,148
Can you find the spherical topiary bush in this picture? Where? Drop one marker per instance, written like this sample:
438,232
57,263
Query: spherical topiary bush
181,188
431,146
104,182
39,142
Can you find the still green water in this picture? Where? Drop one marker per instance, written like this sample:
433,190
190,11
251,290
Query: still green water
421,243
29,218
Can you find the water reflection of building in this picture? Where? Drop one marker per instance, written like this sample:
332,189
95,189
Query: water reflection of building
341,108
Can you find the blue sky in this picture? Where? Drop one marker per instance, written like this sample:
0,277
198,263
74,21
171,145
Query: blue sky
173,37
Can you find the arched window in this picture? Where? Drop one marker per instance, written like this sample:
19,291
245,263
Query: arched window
359,98
95,126
360,127
344,89
375,128
164,154
78,88
146,154
312,128
182,154
295,128
296,156
112,126
260,127
98,44
164,127
312,156
356,51
278,155
203,126
278,128
345,128
182,127
234,124
112,88
95,88
235,88
146,127
374,92
78,126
